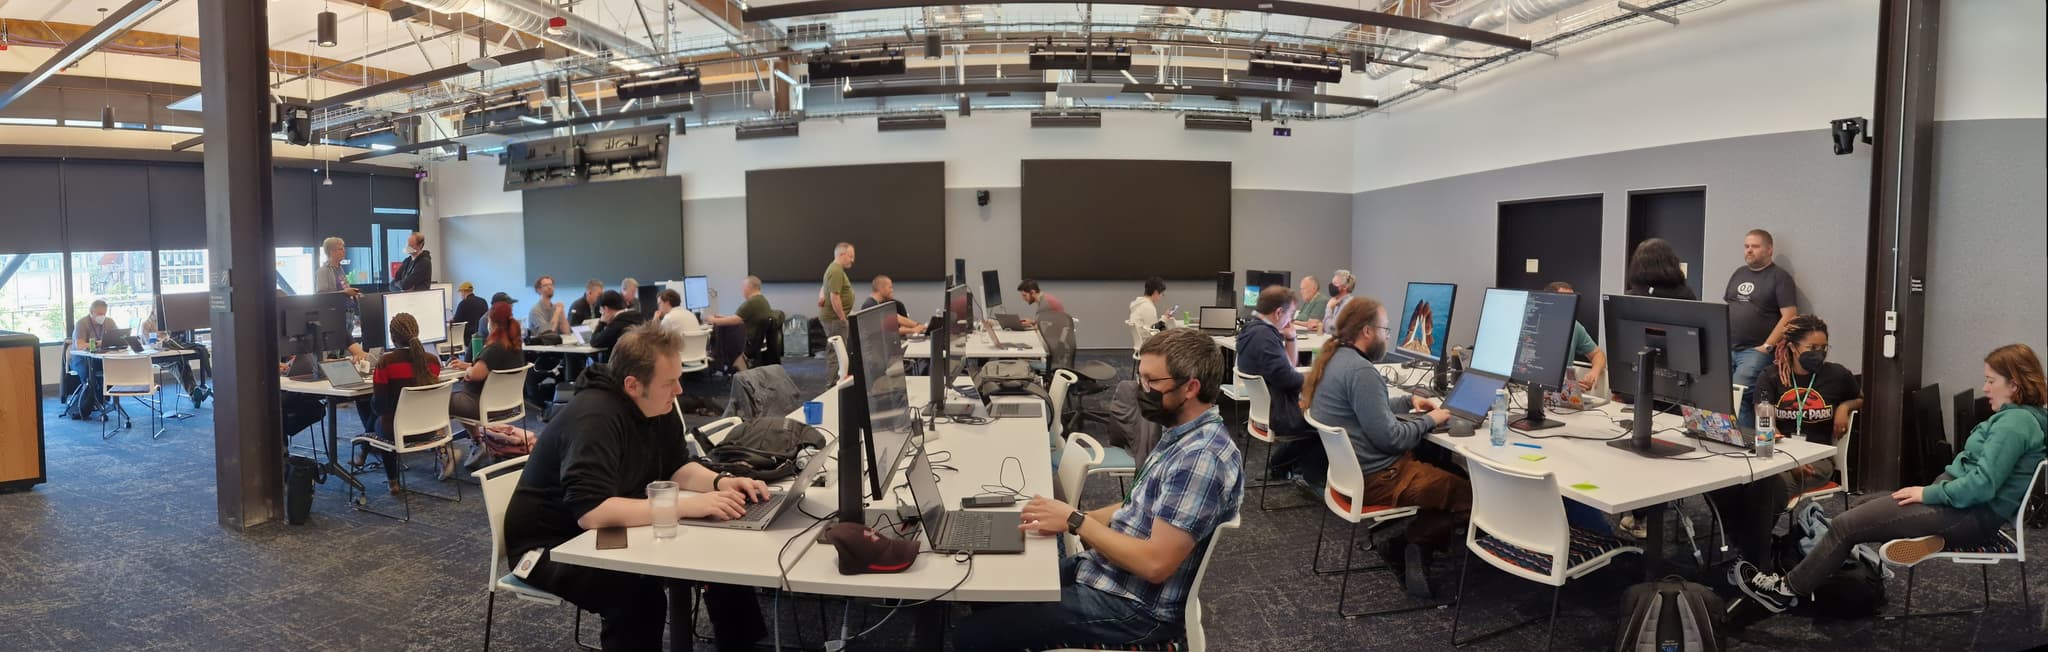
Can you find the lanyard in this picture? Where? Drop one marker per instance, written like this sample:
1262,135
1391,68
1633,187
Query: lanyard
1799,421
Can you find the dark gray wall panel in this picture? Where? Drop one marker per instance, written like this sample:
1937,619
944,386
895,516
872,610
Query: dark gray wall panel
106,206
291,202
608,230
177,206
1986,270
894,214
1100,219
343,209
32,215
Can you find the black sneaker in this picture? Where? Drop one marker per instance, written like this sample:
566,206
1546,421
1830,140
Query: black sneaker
1765,590
1393,554
1416,576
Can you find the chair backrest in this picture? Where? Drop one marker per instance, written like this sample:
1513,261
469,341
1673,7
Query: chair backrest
1139,333
1842,449
1256,394
1062,384
1344,475
422,409
838,345
1057,329
1521,508
1081,455
2019,520
498,482
457,338
128,371
695,342
503,391
1198,640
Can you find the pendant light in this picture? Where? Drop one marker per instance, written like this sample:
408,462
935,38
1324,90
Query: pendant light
324,25
106,87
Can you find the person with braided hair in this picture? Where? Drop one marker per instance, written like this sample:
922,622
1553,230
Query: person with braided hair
1813,399
407,365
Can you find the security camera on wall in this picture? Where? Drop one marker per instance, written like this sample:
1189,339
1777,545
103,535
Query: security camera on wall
1845,132
981,197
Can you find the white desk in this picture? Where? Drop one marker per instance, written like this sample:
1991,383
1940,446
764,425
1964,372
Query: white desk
326,390
567,349
750,558
1303,342
980,348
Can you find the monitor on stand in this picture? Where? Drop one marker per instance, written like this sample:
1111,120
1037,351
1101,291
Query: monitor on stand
373,321
312,324
1254,280
1424,323
991,290
875,353
959,273
1526,336
423,305
941,371
1667,350
696,293
1226,289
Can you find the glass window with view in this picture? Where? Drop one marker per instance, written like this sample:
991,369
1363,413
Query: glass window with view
295,269
32,295
121,278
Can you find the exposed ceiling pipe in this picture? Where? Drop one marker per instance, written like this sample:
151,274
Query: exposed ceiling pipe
1488,15
113,25
529,16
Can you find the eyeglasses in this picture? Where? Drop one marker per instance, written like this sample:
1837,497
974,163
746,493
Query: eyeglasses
1149,382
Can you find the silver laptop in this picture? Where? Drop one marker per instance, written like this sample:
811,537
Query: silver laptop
578,334
343,376
762,514
1011,322
960,530
1217,320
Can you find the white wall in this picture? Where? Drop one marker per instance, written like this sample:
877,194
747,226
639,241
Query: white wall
1993,61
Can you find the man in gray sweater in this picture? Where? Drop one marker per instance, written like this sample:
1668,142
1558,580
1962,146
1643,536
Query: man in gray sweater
1346,391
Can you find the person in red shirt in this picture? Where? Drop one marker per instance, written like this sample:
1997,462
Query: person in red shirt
406,366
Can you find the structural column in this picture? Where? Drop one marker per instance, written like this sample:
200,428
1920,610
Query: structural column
1895,304
248,451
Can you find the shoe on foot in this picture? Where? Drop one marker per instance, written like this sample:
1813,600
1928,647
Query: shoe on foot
1907,552
445,461
1415,575
1632,528
1767,590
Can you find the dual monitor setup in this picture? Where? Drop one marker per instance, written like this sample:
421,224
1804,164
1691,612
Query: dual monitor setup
311,324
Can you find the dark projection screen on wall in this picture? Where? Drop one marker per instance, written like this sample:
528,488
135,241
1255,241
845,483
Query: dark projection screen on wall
1109,220
607,230
894,214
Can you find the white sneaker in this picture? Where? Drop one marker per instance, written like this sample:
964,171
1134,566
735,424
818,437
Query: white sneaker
1633,528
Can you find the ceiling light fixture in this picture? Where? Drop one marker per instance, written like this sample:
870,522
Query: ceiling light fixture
325,27
107,102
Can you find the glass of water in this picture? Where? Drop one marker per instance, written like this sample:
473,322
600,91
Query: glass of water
661,503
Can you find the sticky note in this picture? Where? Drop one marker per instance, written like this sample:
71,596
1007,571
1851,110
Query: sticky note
1534,457
1585,486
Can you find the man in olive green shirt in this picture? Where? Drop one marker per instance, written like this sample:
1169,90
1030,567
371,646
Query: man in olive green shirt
1313,303
835,302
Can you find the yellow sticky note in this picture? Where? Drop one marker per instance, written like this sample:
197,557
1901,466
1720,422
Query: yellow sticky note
1533,457
1584,486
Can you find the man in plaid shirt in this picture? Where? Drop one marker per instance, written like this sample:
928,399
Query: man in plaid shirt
1132,584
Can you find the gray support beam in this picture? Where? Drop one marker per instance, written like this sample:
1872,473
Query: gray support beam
1901,173
248,453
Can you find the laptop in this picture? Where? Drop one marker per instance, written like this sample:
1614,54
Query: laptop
114,339
1716,427
762,514
1218,321
578,334
1011,322
960,530
1470,399
343,376
303,368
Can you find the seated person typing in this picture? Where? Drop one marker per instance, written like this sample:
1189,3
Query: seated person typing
883,290
1131,586
590,468
502,351
407,366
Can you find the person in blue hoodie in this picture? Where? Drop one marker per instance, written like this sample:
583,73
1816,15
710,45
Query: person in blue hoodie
1265,348
1979,492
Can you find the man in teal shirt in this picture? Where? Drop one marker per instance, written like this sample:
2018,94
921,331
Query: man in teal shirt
1583,346
1313,303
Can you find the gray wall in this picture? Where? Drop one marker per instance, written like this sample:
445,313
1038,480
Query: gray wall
1308,232
1790,183
1988,268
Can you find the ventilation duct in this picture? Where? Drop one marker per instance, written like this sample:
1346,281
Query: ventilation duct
531,17
1066,119
1489,15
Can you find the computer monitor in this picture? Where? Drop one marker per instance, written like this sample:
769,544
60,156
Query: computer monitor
1527,337
1226,289
1666,350
1217,318
876,354
961,316
959,272
991,289
424,306
696,293
183,312
310,324
447,298
648,299
1425,321
1254,280
371,321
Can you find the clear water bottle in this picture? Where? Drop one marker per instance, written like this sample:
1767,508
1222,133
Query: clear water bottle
1766,429
1497,418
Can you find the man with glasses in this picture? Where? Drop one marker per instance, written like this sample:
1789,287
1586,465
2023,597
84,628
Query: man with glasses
1131,586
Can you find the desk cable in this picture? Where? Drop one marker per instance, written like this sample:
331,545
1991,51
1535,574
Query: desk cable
964,558
1002,486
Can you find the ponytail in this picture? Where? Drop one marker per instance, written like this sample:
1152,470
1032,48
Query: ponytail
1353,319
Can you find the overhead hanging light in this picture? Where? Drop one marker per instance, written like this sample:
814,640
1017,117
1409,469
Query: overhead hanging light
107,103
326,28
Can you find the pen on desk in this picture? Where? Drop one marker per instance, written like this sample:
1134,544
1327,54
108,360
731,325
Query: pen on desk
1527,445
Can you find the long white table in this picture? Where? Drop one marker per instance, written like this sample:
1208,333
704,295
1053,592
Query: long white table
566,349
979,347
1303,342
757,558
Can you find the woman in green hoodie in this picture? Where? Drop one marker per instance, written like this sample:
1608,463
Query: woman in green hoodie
1977,494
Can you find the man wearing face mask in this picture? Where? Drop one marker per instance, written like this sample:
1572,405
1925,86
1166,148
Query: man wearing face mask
417,272
1131,586
1341,285
91,330
1346,391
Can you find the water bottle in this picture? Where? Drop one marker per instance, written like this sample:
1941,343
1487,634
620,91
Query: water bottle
1497,418
476,345
1766,429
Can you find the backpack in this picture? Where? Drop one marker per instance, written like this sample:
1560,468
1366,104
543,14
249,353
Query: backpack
764,449
818,340
1012,377
1671,615
1111,417
506,441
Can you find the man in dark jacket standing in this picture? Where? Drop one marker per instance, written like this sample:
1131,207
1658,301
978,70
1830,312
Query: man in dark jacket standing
590,470
1265,348
417,272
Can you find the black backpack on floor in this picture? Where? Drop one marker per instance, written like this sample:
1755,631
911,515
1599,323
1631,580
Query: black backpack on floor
1671,615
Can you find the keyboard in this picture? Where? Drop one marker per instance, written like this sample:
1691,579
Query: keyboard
1016,410
761,510
967,530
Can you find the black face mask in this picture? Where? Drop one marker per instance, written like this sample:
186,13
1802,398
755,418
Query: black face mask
1152,406
1812,361
1334,290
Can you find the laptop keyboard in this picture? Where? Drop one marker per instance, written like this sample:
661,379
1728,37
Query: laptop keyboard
761,510
1015,410
967,530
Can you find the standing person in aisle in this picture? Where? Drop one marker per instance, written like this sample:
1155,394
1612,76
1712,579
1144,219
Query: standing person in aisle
1762,300
835,302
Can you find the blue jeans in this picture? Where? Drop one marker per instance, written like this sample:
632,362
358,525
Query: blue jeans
1084,617
1748,364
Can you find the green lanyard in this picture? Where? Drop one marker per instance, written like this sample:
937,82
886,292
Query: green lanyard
1799,422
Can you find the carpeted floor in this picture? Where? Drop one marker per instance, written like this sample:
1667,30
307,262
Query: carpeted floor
120,551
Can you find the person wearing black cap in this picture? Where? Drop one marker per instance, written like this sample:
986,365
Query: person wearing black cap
495,300
613,319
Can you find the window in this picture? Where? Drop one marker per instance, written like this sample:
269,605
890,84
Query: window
295,267
181,270
121,278
361,265
32,298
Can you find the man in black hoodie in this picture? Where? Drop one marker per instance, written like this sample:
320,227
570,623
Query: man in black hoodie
590,470
614,319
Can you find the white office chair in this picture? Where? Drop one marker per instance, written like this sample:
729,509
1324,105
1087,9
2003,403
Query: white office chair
1259,426
1079,457
1841,457
2004,547
695,344
503,400
1345,482
422,414
838,345
458,340
498,482
1518,526
1139,333
129,377
1062,384
1191,618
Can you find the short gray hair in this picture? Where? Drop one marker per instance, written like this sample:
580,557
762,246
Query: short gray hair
752,282
841,248
1344,279
332,241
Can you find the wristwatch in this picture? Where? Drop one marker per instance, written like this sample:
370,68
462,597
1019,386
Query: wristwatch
1074,521
720,476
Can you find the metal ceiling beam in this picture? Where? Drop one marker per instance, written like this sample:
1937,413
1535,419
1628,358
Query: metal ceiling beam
117,21
1282,7
428,77
650,112
1049,87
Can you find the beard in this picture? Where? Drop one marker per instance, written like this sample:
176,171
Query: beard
1376,352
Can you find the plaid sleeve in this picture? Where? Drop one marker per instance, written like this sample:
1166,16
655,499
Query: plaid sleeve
1194,496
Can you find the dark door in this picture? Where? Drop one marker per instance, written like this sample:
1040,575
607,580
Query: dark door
1560,240
1679,216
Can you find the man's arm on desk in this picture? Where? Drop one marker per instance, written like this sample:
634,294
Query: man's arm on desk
1153,558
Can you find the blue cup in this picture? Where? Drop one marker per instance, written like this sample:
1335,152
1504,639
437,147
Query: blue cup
814,413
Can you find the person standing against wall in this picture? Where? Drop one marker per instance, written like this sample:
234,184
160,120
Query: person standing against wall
1762,299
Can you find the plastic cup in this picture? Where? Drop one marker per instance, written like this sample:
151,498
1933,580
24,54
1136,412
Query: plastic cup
814,413
661,503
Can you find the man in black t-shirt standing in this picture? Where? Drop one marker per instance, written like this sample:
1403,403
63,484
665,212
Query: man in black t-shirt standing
1762,298
590,470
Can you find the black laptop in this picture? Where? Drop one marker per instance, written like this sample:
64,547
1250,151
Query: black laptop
960,530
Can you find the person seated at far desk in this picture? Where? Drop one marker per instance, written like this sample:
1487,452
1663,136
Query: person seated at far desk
1345,390
1265,348
884,290
502,351
1313,305
407,366
1813,398
1038,300
585,307
589,470
1583,346
86,336
754,313
614,319
1145,308
669,313
1131,586
195,386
